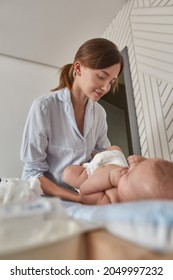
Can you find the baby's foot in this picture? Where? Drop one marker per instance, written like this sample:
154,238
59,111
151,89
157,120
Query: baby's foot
135,160
110,148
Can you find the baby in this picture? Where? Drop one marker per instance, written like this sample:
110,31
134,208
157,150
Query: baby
109,179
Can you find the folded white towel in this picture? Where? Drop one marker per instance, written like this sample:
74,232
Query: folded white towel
16,190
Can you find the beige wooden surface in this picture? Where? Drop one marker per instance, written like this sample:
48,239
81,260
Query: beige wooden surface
101,245
94,245
67,249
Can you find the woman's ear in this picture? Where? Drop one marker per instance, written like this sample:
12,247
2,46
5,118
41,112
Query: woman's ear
77,68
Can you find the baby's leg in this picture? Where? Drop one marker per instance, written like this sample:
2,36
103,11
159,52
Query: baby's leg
75,175
99,188
93,190
100,198
135,160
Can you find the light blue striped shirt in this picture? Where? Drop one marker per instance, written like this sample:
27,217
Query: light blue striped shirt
52,140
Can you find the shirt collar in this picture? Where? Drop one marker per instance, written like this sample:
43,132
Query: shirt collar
64,95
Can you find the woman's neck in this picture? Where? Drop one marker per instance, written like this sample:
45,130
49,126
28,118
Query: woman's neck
79,102
78,98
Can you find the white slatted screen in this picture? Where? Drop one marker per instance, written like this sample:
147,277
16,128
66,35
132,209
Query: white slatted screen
146,28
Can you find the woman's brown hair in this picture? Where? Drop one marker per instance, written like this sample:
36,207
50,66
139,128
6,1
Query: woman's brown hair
98,53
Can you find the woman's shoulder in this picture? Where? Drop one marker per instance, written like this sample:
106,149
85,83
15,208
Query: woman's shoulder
99,108
50,99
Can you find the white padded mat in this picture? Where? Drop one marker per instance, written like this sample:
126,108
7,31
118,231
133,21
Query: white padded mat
146,223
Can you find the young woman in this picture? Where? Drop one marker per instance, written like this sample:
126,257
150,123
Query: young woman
65,127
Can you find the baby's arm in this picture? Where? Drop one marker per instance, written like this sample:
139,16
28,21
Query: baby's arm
75,175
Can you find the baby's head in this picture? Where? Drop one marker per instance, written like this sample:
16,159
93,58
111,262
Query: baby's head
150,179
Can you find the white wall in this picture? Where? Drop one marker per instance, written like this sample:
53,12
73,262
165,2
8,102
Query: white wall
20,83
146,28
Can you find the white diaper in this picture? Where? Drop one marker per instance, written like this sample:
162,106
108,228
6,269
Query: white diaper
107,157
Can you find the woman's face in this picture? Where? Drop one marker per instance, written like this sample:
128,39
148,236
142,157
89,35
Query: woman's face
95,83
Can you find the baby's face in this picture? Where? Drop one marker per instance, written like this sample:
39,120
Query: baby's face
147,180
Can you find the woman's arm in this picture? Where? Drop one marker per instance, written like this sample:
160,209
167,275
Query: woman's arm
34,151
52,189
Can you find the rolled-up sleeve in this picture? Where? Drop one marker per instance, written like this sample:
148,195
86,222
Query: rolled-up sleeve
35,142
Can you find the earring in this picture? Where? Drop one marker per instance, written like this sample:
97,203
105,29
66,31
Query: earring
74,73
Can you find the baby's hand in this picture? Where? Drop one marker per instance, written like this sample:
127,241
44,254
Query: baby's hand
135,160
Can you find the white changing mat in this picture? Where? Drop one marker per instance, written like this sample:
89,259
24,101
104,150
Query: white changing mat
146,223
